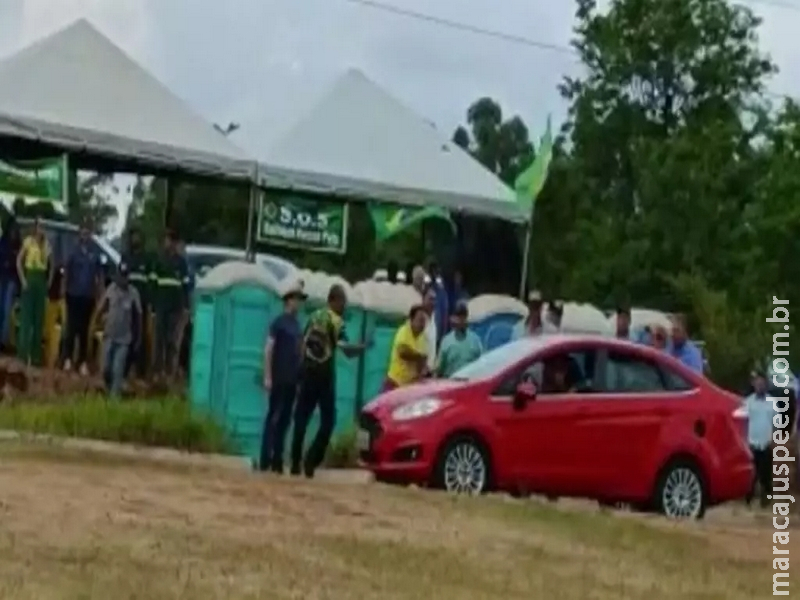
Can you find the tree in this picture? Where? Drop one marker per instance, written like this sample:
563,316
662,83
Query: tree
504,148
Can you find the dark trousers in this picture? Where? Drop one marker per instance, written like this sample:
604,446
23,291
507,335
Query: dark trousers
276,423
166,330
79,316
138,352
314,392
762,462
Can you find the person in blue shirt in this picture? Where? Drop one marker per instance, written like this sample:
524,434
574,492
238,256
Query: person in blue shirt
760,413
282,359
82,283
460,346
682,347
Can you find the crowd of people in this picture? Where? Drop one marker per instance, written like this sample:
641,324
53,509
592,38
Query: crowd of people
140,285
434,341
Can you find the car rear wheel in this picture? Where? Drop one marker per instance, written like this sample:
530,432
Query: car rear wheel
463,467
680,491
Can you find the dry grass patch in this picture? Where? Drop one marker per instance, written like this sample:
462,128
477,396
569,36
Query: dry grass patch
78,526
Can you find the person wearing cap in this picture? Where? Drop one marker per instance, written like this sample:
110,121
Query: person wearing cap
171,304
532,325
460,346
142,276
122,330
281,376
760,414
82,283
323,335
35,270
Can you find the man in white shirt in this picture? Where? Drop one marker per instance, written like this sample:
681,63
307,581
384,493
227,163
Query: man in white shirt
431,334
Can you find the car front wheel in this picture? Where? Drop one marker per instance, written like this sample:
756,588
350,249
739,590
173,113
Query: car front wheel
680,492
463,467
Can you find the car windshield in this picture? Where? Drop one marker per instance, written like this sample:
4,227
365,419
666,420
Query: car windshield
495,361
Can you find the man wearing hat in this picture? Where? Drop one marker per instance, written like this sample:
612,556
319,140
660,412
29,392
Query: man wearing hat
281,376
533,325
123,328
460,346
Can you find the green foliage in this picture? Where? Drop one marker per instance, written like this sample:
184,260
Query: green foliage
168,423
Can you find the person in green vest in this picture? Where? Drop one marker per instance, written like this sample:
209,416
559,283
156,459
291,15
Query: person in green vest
171,303
142,276
35,269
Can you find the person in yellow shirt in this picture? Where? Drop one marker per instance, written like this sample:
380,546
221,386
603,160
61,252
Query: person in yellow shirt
409,356
34,267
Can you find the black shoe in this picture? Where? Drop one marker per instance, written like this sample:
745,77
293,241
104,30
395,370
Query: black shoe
308,471
295,470
277,468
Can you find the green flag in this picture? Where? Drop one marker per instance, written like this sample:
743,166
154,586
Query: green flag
390,220
530,182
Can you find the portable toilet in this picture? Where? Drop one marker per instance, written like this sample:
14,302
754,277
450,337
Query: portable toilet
493,318
317,285
584,318
233,305
386,308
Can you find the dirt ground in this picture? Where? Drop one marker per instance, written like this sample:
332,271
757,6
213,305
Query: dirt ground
77,525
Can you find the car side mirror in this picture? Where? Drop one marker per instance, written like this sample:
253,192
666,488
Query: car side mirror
525,393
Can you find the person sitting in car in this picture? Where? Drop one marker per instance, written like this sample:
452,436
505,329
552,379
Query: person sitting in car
561,375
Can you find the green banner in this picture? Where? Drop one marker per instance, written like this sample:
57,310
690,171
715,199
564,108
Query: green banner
389,220
309,222
34,180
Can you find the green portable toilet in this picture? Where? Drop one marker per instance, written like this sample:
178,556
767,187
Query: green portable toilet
233,306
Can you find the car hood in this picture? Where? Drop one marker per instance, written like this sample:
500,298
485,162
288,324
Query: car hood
438,388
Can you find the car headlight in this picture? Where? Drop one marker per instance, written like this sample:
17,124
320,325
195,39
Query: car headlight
416,409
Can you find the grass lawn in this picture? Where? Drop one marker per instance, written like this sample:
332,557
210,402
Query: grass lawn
86,526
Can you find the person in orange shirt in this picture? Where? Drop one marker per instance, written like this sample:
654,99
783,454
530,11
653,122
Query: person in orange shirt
409,357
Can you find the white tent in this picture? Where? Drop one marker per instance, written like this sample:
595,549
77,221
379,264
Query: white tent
75,89
360,142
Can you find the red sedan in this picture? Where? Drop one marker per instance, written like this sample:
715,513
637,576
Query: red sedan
561,415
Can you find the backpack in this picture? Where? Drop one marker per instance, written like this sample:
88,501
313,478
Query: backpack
320,338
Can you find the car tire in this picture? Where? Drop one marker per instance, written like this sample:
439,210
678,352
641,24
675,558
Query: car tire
463,466
680,491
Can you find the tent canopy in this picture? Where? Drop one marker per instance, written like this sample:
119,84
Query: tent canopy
76,90
360,142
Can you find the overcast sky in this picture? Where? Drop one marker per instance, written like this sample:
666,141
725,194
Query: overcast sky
262,63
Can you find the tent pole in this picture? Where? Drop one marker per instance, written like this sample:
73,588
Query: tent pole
526,250
170,197
250,218
251,215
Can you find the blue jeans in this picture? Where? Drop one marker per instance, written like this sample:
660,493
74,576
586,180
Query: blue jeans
115,355
8,291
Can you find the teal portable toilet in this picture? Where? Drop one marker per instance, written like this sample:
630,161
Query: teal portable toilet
493,318
233,306
317,284
386,307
